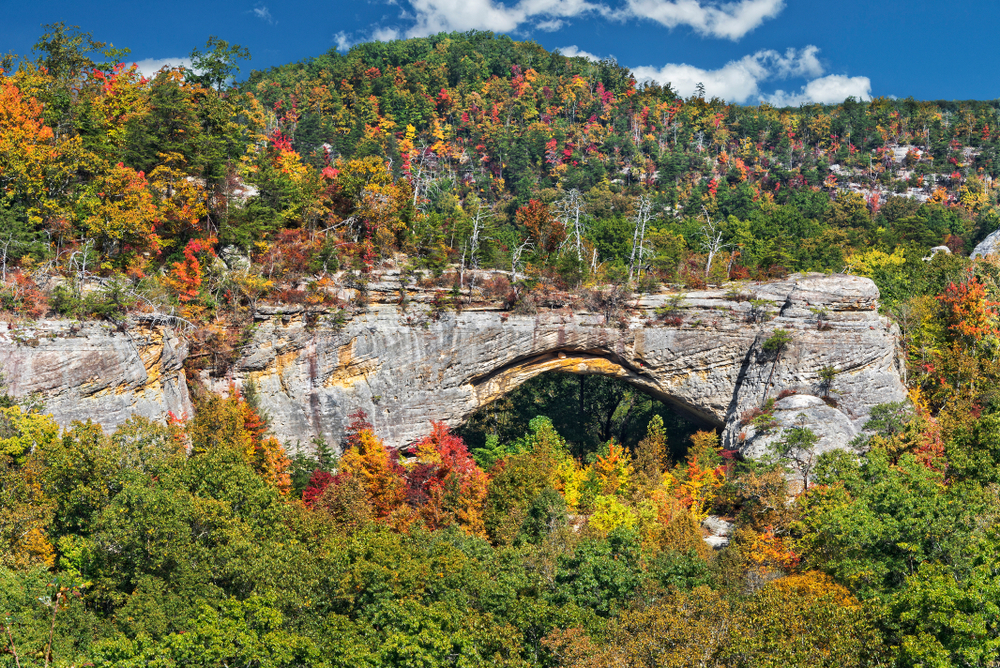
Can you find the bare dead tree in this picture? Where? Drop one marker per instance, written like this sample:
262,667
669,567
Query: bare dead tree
568,211
515,262
10,636
644,214
6,248
422,172
712,241
470,248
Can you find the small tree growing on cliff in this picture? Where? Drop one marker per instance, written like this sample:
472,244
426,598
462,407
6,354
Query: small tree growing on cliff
797,449
826,377
772,348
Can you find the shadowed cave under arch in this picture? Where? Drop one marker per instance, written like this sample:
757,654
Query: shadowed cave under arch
590,397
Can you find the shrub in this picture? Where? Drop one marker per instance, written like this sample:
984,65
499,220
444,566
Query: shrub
777,342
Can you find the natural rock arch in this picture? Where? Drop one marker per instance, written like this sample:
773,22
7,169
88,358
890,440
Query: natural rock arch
505,379
407,366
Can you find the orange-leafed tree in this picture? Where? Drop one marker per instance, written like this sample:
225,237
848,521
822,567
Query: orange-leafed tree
186,276
33,165
368,460
119,210
233,422
700,479
970,313
612,471
542,226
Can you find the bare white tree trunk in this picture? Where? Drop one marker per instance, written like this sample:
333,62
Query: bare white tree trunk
640,221
712,241
483,214
569,210
515,261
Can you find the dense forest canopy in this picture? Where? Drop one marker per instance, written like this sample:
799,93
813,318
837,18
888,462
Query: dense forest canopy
488,170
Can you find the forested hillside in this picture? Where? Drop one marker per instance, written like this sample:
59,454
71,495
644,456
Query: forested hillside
491,171
468,149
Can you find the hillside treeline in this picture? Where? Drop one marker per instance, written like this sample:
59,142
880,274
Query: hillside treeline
454,151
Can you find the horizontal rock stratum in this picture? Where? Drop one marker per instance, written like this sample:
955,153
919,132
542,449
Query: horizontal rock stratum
94,371
406,366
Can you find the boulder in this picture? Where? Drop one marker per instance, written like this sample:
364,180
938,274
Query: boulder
834,429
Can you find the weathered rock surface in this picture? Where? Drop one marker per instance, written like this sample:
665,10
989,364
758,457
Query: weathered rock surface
718,530
92,371
833,427
407,366
988,246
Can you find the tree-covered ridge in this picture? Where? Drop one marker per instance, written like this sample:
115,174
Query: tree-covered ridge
487,169
463,150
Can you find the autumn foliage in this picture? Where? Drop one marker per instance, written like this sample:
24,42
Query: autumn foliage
231,422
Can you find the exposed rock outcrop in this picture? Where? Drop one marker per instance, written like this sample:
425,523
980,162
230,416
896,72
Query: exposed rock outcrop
833,427
718,530
93,371
988,246
407,365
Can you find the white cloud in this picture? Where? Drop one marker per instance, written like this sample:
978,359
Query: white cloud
738,80
804,63
433,16
550,25
150,66
832,89
263,13
730,21
385,34
343,41
573,52
711,18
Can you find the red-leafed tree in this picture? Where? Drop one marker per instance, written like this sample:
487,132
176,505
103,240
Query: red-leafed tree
318,483
445,484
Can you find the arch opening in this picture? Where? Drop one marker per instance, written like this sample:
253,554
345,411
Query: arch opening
499,382
588,397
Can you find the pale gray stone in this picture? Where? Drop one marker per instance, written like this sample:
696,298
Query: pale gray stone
234,259
718,531
988,246
834,429
92,371
406,366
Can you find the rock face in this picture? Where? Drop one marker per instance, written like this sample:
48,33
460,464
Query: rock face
702,352
91,371
404,368
833,428
988,246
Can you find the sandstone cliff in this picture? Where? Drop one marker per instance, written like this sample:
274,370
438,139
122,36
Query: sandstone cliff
408,364
94,371
406,367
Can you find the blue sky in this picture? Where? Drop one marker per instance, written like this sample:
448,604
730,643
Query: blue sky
783,51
